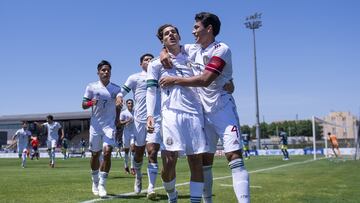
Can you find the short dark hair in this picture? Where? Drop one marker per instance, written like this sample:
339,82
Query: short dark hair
145,55
129,100
161,29
51,117
207,19
103,63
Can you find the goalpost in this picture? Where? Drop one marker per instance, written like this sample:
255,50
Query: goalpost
352,148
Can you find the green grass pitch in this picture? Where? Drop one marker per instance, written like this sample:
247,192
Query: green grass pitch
272,180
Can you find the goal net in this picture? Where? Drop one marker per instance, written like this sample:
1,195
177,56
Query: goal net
347,137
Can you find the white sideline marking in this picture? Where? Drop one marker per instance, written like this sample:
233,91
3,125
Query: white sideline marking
187,183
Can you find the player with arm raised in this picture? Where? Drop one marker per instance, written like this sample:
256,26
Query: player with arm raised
52,128
101,97
221,118
137,83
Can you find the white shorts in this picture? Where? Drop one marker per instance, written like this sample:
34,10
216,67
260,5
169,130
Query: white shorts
183,132
21,147
98,141
51,143
224,124
142,136
128,139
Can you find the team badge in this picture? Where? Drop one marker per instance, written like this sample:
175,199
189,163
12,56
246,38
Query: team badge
169,141
206,60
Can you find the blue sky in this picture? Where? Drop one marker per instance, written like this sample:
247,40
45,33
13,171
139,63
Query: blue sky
307,51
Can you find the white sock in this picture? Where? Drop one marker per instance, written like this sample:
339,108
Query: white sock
23,161
152,171
170,189
240,180
126,160
137,167
102,177
52,156
196,190
208,183
95,176
132,160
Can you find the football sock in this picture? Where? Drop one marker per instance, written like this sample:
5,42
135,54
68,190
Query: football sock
196,190
240,180
208,182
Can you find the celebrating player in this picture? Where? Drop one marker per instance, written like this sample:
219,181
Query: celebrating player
100,96
137,83
127,120
53,129
221,118
21,137
182,117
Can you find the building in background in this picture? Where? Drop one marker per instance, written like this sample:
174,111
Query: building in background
345,125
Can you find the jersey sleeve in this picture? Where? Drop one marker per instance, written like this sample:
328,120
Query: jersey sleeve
152,84
219,59
128,86
122,116
152,76
88,93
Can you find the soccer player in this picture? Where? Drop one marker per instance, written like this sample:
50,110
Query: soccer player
100,96
284,142
127,120
53,129
246,140
22,136
137,83
182,117
221,119
334,144
34,144
64,147
82,147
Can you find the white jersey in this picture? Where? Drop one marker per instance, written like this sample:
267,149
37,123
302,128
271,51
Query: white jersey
22,137
213,97
180,98
137,83
104,112
130,127
52,130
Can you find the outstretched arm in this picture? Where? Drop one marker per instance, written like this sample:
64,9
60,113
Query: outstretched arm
202,80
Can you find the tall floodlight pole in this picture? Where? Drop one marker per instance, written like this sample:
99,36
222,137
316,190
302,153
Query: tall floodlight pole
253,22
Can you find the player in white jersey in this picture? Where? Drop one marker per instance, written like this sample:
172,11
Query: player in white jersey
100,96
127,120
52,127
137,83
22,136
182,117
221,119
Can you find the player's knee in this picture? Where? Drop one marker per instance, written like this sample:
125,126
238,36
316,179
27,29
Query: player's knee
233,155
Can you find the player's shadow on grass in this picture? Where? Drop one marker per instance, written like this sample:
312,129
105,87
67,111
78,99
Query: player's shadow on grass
121,177
159,197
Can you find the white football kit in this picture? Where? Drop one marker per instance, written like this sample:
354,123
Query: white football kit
129,128
221,118
102,123
53,133
137,83
22,138
182,115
